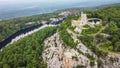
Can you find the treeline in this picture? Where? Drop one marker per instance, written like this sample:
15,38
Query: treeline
27,52
8,27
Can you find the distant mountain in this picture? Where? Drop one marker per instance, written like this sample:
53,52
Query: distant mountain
89,8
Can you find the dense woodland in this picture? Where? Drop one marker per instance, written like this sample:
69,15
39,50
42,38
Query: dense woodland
111,18
26,53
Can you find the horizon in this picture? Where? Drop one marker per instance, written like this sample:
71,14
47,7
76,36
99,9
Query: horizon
53,1
19,8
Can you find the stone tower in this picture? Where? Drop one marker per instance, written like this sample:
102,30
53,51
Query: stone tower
83,18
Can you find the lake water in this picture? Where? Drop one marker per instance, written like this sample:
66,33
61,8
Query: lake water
27,9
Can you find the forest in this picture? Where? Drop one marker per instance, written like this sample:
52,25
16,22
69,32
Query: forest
111,18
27,52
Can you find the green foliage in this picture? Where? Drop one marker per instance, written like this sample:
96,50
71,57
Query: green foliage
110,16
114,33
67,39
75,57
106,14
80,66
86,26
72,28
117,45
111,29
106,46
64,35
92,63
99,63
110,48
91,30
112,60
90,57
88,41
27,52
100,39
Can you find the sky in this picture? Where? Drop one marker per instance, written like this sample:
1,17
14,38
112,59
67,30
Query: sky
12,2
16,8
53,1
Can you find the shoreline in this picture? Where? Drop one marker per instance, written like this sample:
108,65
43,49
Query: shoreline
25,32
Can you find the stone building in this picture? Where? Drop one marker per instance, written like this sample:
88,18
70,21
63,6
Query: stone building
83,20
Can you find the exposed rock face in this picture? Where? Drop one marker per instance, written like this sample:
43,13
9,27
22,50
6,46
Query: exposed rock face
53,52
57,56
111,61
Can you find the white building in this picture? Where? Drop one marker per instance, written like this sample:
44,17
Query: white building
83,20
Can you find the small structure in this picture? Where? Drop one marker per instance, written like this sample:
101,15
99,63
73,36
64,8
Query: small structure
76,23
82,21
44,22
30,23
65,13
54,19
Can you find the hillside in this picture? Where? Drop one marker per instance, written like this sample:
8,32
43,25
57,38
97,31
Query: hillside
73,44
